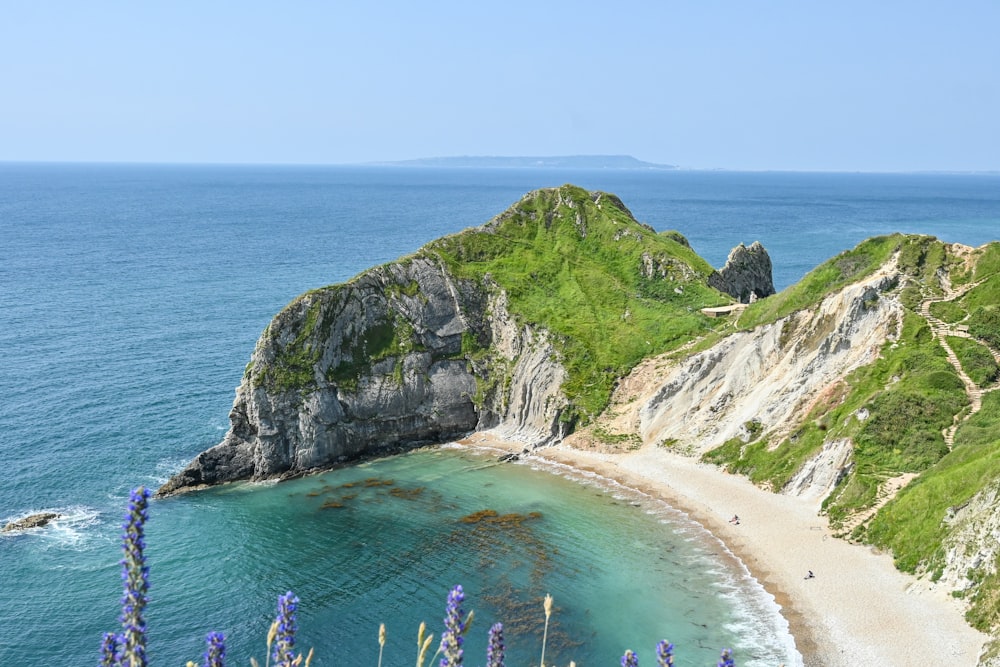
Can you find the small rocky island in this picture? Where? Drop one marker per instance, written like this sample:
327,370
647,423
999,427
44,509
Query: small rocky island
38,520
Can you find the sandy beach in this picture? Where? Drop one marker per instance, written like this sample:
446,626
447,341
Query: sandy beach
857,610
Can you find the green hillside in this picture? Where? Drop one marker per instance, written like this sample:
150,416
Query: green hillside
611,290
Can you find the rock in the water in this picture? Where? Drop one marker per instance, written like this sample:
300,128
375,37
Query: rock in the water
747,274
32,521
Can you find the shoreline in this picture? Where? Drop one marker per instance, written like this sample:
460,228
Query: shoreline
858,609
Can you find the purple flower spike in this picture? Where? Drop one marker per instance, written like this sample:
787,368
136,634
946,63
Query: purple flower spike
135,575
630,659
495,648
454,628
727,658
284,645
665,653
215,654
109,650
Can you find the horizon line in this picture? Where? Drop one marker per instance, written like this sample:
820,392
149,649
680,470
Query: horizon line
411,164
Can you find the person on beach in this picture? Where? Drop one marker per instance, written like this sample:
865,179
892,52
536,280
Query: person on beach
735,520
810,575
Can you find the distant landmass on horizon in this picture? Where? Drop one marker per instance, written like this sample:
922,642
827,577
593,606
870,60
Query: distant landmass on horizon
562,162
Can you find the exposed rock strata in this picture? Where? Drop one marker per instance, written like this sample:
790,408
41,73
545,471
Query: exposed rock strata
974,546
747,274
770,374
408,353
388,370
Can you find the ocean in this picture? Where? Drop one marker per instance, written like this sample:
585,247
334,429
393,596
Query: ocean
130,300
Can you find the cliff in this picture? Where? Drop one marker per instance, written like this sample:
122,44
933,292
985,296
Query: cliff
522,325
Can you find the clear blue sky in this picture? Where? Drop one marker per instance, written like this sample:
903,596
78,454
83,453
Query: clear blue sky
847,85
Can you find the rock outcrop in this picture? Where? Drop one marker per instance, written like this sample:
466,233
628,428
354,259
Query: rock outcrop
37,520
747,275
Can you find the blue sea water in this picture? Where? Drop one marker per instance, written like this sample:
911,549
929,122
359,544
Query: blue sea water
130,300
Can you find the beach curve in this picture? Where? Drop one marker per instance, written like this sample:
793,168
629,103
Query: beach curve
857,609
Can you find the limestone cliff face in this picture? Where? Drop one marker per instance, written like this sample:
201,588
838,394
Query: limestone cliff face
746,275
380,362
770,375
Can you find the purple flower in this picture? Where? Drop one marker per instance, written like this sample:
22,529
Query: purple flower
727,658
495,648
665,653
284,645
135,575
109,650
630,659
215,654
454,628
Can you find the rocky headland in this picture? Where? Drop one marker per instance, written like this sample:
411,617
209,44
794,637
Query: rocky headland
439,344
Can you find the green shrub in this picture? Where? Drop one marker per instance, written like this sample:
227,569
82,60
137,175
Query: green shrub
984,324
912,525
948,311
988,262
976,360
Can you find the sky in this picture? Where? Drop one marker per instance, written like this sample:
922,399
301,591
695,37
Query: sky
703,84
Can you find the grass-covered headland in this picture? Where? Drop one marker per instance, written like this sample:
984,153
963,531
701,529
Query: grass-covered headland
607,289
612,291
128,646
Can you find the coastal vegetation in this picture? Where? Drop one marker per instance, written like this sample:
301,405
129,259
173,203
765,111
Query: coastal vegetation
607,289
610,290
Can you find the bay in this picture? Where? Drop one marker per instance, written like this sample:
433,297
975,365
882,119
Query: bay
130,300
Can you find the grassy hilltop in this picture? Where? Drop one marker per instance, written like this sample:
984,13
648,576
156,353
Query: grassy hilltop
607,289
577,264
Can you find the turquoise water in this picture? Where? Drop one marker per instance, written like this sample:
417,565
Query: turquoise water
130,299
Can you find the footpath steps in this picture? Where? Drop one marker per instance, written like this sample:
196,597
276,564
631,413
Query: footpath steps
942,331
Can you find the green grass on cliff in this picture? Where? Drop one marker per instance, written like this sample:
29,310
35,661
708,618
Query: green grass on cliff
844,269
976,360
920,257
610,290
913,525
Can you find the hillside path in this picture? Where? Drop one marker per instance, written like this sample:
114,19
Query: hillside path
942,330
